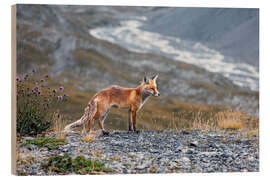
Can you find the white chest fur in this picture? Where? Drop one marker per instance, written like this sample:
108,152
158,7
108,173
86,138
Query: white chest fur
144,99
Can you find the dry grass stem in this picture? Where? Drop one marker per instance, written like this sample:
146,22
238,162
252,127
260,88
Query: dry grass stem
58,125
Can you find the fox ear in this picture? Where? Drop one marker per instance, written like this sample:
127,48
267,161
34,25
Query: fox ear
145,79
154,77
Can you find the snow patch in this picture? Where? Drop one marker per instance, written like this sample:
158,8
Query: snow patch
131,36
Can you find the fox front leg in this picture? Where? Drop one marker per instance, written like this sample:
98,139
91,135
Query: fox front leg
130,120
134,120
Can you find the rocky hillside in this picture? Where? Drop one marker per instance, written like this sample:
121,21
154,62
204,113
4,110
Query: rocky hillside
163,151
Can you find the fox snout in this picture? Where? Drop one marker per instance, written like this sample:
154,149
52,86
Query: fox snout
157,94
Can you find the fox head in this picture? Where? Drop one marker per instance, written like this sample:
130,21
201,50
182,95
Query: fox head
150,86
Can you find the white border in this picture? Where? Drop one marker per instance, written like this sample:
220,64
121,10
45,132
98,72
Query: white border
264,81
182,3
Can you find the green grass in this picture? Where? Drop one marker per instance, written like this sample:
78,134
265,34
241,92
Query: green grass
80,165
50,143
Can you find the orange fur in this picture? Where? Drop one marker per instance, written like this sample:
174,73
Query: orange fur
119,97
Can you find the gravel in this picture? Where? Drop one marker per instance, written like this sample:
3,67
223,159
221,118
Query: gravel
165,151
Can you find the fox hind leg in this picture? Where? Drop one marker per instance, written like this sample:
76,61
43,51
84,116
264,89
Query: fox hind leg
101,122
91,121
91,114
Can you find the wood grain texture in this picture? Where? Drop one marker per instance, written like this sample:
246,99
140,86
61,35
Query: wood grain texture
13,89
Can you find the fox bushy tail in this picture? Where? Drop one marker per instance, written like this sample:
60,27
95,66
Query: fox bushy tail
89,112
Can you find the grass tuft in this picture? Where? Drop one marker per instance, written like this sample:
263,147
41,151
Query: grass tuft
58,125
230,120
230,124
253,133
90,137
50,143
80,165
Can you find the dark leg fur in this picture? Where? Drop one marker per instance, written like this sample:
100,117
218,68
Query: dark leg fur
134,120
129,121
105,132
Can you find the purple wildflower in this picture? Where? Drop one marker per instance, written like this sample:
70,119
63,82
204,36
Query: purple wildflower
60,98
61,88
54,91
39,92
17,78
25,77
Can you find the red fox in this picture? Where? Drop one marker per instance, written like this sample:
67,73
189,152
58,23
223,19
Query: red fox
119,97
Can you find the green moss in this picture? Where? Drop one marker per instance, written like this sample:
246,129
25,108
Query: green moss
79,165
50,143
21,173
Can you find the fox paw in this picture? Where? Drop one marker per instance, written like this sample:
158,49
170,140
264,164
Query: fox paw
105,132
137,131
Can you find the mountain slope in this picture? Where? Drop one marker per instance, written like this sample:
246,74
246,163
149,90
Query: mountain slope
56,39
232,31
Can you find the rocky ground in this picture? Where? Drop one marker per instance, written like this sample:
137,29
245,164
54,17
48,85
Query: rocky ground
164,151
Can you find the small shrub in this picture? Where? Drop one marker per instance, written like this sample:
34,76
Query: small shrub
36,102
79,165
50,143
